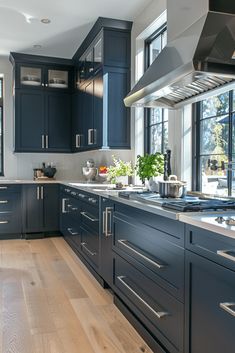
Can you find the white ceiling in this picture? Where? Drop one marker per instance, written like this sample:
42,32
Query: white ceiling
71,20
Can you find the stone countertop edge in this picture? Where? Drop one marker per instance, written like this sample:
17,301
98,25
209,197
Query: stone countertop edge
195,219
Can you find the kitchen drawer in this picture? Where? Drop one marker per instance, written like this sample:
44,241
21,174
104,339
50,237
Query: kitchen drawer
214,246
5,188
210,319
90,246
149,251
90,217
174,229
74,208
159,312
8,201
88,198
10,223
71,231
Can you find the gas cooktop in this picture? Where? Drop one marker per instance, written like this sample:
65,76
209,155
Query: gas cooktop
186,204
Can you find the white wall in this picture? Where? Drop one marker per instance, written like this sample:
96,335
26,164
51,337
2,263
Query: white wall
145,24
20,165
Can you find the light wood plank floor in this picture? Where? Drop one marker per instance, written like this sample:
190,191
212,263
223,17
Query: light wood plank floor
50,303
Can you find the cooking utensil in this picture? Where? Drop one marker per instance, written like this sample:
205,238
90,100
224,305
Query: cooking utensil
172,187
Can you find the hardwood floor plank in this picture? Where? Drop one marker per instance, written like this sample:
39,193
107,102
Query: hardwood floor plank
50,303
94,291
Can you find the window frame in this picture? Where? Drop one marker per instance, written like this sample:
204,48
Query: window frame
1,142
196,143
147,111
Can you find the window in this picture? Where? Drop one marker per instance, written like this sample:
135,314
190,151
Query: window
214,152
156,119
1,126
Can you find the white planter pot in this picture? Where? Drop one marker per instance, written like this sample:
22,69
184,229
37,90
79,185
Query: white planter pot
125,180
152,183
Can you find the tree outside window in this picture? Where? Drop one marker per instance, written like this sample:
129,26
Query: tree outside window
215,145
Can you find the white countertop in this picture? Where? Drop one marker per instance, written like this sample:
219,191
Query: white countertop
205,220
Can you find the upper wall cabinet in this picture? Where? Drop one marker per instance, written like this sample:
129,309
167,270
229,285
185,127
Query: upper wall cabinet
100,118
42,103
111,48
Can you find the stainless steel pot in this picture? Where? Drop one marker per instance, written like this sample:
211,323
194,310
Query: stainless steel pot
172,187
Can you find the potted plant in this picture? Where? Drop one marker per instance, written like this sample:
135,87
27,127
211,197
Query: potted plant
148,167
120,172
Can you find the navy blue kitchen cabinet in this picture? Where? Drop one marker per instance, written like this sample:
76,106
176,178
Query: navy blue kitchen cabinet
58,122
103,77
70,217
10,211
148,275
42,106
106,240
210,306
29,121
42,121
106,119
41,209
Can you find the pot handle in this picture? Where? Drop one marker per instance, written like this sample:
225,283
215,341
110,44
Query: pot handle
173,177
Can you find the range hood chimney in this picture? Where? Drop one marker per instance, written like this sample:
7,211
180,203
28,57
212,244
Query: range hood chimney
198,60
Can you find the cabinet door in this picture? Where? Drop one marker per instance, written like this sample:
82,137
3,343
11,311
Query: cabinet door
33,209
116,87
87,114
77,122
50,194
98,111
58,120
58,78
29,76
29,121
210,306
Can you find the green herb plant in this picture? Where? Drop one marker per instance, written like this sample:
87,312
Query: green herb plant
149,165
120,168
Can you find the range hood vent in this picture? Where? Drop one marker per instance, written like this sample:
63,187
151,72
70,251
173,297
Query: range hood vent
199,60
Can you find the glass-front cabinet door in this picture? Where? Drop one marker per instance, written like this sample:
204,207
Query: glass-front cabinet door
31,76
89,68
98,53
58,78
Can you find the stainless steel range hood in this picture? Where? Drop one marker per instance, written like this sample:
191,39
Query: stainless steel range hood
199,60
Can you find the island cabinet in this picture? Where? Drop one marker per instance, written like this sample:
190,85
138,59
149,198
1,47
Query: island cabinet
210,292
40,210
42,103
149,275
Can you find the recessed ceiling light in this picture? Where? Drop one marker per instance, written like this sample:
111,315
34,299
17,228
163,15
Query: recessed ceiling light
45,21
37,46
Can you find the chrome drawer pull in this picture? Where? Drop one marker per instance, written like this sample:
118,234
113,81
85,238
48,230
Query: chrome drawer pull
124,243
226,307
159,314
89,252
3,201
108,221
104,223
84,214
70,230
82,196
4,222
74,208
64,205
3,187
224,253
